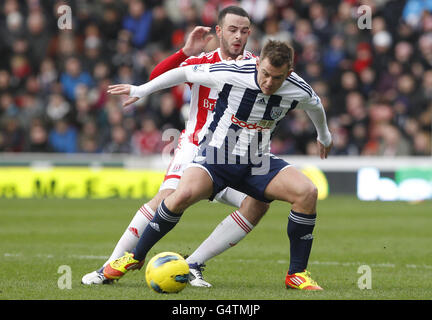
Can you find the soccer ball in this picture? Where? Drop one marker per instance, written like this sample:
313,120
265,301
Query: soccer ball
167,272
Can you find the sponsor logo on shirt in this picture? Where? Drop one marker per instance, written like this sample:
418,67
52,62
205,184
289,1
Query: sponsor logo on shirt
262,125
209,104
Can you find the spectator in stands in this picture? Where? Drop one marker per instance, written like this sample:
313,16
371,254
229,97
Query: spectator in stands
93,48
368,80
161,25
124,53
20,68
334,55
13,135
422,144
57,107
5,82
391,142
168,116
88,137
63,137
48,75
119,142
73,76
8,107
38,37
38,138
138,22
148,140
31,107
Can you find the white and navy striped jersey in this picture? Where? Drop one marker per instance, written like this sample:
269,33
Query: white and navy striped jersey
203,99
244,117
243,109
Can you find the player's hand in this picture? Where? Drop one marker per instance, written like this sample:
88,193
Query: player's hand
324,151
197,40
122,89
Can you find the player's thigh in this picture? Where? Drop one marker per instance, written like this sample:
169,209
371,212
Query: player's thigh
290,185
194,185
183,156
159,197
197,179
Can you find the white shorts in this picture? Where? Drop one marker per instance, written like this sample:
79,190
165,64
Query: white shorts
183,157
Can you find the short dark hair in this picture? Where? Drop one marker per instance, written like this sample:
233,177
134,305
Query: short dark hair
278,53
239,11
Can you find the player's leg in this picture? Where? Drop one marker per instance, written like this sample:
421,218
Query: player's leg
292,186
227,234
182,157
142,217
130,236
250,210
233,228
195,185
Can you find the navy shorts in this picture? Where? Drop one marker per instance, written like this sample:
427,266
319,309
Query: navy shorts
250,178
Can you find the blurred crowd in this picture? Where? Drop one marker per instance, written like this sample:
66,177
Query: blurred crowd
375,83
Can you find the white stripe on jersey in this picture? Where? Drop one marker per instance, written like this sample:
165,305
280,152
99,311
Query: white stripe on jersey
203,99
243,114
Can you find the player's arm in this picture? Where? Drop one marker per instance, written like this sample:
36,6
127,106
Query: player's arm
315,110
198,74
195,44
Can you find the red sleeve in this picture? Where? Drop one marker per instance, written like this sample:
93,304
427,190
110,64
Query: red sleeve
173,61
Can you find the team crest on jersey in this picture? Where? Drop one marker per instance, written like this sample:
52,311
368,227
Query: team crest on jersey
276,112
198,67
176,167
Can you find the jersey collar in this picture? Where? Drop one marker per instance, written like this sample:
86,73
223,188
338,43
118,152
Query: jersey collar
218,50
256,79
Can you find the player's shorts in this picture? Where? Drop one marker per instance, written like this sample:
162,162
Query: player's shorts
183,156
250,178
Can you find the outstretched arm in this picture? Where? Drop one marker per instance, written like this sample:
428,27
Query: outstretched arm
194,74
324,139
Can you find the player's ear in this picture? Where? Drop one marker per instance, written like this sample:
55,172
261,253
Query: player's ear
218,31
289,72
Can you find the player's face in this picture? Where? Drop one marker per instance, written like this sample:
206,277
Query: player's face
271,78
233,34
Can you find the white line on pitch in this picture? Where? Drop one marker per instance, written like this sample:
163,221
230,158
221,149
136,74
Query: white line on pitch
327,263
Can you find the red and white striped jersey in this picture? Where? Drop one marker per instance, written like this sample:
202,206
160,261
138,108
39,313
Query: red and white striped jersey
203,99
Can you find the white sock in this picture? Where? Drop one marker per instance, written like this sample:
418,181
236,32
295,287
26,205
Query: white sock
231,197
130,237
226,235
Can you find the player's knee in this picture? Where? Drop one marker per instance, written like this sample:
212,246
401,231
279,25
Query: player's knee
313,192
183,198
159,197
262,208
253,210
307,195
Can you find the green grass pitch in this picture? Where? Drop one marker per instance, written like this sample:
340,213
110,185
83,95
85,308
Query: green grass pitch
393,239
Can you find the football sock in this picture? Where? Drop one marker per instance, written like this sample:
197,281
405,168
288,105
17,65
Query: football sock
130,237
300,227
163,221
230,197
226,235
